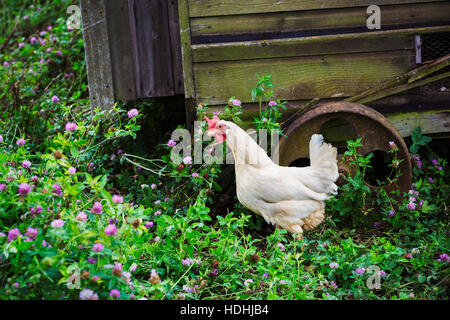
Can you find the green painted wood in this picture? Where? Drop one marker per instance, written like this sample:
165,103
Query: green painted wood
330,19
185,38
294,47
202,8
431,122
300,77
402,88
429,68
403,81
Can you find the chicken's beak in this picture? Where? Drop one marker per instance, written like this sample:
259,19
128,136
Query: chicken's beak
216,133
211,132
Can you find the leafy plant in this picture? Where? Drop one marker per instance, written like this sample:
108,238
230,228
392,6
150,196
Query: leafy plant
418,140
352,196
269,116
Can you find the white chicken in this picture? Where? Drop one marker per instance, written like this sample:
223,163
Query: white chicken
289,197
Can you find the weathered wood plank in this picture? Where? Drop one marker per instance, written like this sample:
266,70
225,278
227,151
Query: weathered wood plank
203,8
402,81
174,25
98,60
429,68
153,54
294,47
402,88
430,122
120,44
330,19
300,77
185,38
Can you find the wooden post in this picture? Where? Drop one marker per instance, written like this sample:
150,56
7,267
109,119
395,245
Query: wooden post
98,59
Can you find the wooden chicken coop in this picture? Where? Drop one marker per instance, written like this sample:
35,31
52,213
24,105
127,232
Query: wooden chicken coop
376,83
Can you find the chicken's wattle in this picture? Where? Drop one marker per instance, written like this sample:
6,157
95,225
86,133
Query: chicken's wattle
220,137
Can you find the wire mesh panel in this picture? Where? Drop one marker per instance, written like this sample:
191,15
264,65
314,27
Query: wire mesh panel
435,46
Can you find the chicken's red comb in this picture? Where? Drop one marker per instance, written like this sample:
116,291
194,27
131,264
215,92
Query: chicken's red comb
212,122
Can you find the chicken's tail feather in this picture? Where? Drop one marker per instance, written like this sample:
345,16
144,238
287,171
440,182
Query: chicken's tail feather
315,146
323,157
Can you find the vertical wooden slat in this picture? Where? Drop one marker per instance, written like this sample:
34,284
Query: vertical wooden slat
188,74
418,47
152,48
185,38
134,48
174,25
98,60
120,45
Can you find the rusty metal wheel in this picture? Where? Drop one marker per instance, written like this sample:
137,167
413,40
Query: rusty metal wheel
339,122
